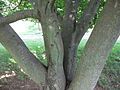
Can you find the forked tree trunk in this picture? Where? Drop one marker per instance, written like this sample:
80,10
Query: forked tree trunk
92,60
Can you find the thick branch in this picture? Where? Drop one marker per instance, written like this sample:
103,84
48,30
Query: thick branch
54,50
73,37
98,48
69,26
27,61
17,16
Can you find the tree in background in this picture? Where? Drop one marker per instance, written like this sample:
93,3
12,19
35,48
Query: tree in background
64,22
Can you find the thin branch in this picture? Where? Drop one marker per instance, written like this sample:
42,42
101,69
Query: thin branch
18,5
52,4
54,9
86,18
90,11
17,16
69,19
71,7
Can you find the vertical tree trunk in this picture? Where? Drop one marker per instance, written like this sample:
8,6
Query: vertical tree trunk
98,48
70,55
54,50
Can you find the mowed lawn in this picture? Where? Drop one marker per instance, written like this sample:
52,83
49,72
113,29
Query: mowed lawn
110,77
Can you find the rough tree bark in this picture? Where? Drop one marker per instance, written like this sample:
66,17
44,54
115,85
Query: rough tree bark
27,61
53,45
98,48
54,50
75,32
61,48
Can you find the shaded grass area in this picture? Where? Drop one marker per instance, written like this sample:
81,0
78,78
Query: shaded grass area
109,79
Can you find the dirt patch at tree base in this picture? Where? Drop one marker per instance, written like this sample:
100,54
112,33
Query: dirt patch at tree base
14,83
11,81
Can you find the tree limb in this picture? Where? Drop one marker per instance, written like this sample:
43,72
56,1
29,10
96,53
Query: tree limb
69,20
71,7
69,26
76,36
85,19
17,16
72,38
52,3
25,59
54,49
98,47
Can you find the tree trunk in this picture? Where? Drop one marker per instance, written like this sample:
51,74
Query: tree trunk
73,33
54,50
93,58
70,55
98,48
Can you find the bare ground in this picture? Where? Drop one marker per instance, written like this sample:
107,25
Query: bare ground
10,81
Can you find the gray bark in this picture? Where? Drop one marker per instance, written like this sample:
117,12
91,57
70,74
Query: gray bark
87,16
53,43
54,48
55,52
18,16
73,33
27,61
93,58
98,48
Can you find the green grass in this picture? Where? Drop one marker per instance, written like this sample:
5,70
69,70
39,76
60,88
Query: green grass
109,78
7,63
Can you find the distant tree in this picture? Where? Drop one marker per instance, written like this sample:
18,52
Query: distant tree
64,22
